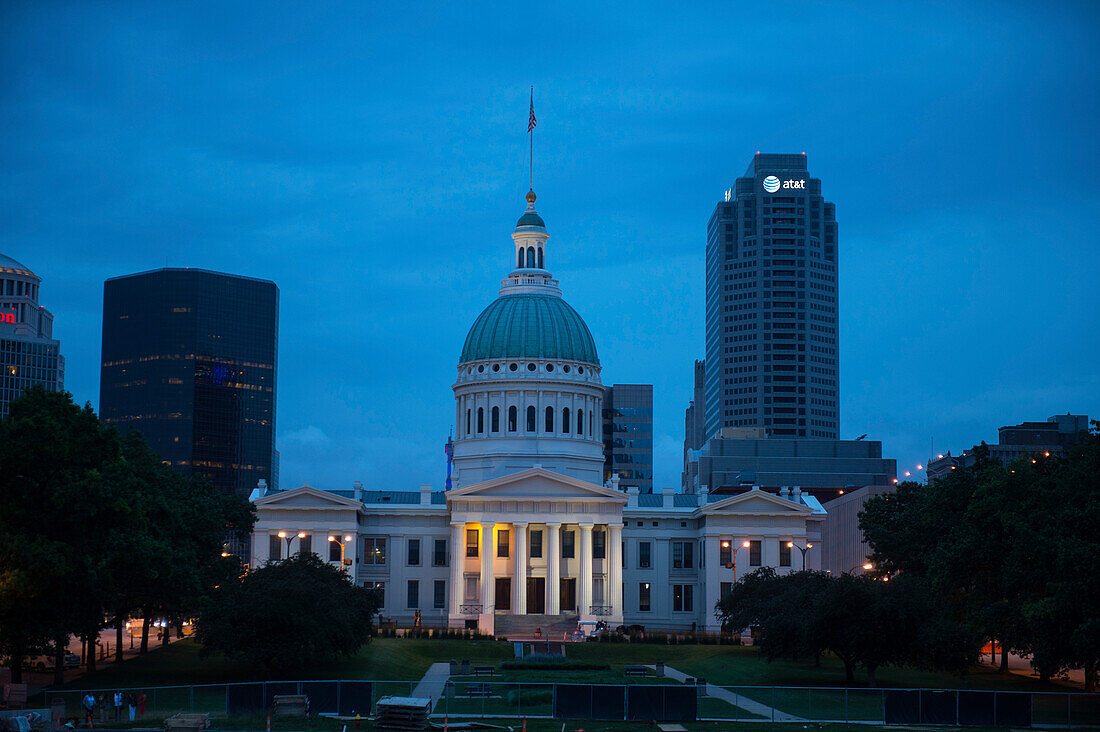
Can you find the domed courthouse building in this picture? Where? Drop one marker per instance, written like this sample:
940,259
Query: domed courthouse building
529,535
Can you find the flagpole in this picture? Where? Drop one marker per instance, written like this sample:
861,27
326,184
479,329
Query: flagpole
531,135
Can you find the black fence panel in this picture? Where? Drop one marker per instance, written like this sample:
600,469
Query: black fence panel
322,696
1013,709
901,707
572,701
608,702
355,698
938,707
244,699
662,703
976,708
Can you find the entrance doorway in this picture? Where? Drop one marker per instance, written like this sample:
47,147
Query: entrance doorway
503,597
569,594
536,595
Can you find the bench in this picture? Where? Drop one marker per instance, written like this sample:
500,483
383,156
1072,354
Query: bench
485,671
183,721
636,671
290,705
479,690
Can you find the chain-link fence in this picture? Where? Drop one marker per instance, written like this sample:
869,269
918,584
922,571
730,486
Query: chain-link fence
657,699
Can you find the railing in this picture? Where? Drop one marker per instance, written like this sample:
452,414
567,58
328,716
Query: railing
667,699
470,609
601,609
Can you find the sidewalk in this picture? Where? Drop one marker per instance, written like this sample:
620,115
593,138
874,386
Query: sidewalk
431,686
1022,667
37,682
736,700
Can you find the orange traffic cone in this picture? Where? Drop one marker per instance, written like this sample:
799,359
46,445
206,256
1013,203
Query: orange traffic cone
525,724
444,723
269,723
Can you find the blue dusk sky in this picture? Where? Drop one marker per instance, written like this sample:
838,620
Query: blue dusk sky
371,159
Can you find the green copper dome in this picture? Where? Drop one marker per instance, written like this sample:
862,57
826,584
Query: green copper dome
527,325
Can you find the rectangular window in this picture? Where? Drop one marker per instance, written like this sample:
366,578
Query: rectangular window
379,591
471,589
644,549
502,543
599,544
374,550
536,543
725,588
725,552
412,599
567,544
754,553
784,554
597,591
440,599
274,548
333,551
414,553
305,545
643,597
439,556
471,542
682,598
683,554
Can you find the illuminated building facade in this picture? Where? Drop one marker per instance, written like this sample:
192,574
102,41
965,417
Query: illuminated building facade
29,355
190,361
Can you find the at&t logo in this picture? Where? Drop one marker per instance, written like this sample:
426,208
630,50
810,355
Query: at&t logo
773,184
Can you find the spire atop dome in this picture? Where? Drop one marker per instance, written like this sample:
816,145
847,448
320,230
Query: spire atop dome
531,198
530,217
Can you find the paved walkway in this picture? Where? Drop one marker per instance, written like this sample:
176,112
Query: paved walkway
431,686
749,705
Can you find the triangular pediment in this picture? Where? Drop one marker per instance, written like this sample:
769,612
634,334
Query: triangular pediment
537,483
306,497
758,502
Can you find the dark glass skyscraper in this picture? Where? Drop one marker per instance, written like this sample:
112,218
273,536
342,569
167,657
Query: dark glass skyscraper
628,434
190,360
772,351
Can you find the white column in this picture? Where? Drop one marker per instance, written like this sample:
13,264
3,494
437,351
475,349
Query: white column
712,579
458,556
585,598
486,567
553,562
519,575
615,570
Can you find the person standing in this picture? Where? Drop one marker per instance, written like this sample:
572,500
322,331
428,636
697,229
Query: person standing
141,704
131,700
89,707
118,706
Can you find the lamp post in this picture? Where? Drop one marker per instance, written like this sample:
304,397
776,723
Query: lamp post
342,544
289,538
733,554
802,549
866,567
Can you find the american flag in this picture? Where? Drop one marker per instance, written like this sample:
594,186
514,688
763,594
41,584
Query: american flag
531,120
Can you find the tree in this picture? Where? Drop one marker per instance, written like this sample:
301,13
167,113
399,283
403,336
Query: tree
286,615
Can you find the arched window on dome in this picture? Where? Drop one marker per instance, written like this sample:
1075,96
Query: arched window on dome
480,420
467,422
531,257
580,421
530,419
590,424
494,420
519,258
549,419
565,420
512,419
540,258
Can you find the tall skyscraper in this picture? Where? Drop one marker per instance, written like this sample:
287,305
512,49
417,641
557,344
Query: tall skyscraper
28,353
772,348
190,360
628,435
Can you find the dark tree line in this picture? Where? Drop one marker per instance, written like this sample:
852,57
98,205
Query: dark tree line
1013,550
95,529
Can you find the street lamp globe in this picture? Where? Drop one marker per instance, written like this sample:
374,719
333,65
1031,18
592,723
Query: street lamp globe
332,538
282,534
348,537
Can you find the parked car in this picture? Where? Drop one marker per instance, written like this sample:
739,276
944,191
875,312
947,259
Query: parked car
47,662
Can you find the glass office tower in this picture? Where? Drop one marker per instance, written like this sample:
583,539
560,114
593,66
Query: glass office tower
772,358
628,435
190,360
29,355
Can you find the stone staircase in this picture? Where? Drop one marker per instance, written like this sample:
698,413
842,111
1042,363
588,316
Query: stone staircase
554,627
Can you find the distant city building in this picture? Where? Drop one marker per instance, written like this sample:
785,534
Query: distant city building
740,458
190,361
695,422
1015,441
771,293
843,548
628,435
28,353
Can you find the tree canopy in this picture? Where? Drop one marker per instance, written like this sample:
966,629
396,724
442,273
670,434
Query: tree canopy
286,615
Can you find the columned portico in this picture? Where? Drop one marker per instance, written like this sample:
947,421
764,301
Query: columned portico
615,569
553,573
457,558
486,579
584,603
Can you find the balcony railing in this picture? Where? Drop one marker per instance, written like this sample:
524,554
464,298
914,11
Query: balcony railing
601,609
470,609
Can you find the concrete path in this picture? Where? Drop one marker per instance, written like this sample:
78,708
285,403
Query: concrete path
431,686
749,705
